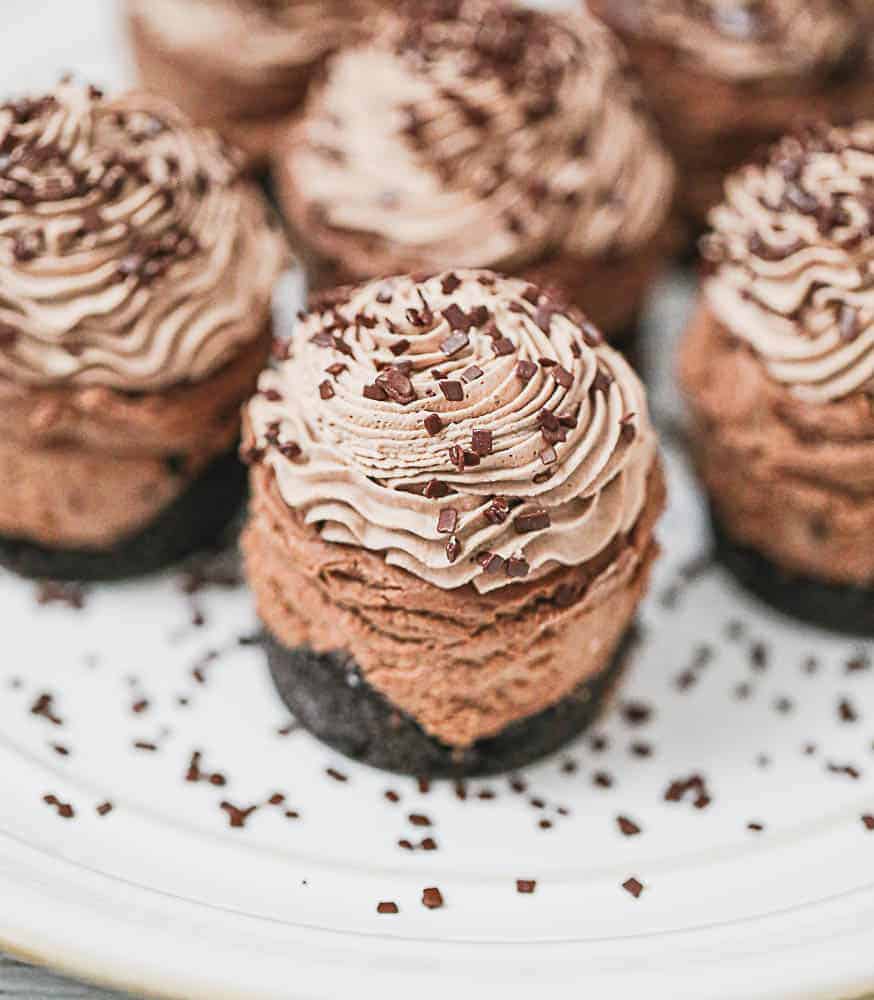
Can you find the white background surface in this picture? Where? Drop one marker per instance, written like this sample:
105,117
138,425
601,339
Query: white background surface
162,893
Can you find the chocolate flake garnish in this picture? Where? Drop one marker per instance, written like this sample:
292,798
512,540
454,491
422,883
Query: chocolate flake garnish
472,373
400,347
387,907
533,520
453,549
525,886
848,322
418,819
526,370
452,390
481,442
104,808
326,390
490,562
397,385
548,455
563,377
627,826
44,706
517,567
432,898
868,820
452,345
237,817
63,809
503,347
433,424
332,772
447,522
450,283
633,886
375,392
602,381
497,511
434,489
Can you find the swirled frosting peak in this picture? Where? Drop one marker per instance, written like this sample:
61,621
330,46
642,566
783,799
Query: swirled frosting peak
793,257
132,254
465,426
752,39
475,132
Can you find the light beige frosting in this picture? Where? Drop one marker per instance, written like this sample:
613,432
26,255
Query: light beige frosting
793,246
254,41
475,133
132,254
571,445
751,39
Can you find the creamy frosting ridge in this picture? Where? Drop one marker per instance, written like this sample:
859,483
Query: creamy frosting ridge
132,254
472,132
464,425
793,249
752,39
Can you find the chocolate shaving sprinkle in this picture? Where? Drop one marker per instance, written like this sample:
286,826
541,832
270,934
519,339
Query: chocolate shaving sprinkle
453,549
326,390
526,370
497,511
433,424
481,442
491,562
452,345
627,826
503,347
397,385
471,374
563,377
434,489
548,455
400,347
633,886
387,907
525,886
848,322
534,520
450,283
452,390
517,567
432,898
447,522
375,392
602,381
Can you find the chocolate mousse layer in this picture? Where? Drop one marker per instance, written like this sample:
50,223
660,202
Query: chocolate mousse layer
778,367
762,66
136,273
476,133
240,66
455,488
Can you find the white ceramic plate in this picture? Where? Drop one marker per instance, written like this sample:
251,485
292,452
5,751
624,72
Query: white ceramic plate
163,895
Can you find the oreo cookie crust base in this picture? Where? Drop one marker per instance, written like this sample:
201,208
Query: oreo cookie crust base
193,521
837,607
327,696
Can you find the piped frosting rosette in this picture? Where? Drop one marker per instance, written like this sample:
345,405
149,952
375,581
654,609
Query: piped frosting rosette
466,426
793,257
466,132
132,255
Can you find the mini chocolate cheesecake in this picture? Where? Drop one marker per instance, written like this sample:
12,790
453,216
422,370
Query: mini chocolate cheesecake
136,273
455,487
778,369
240,66
726,78
477,133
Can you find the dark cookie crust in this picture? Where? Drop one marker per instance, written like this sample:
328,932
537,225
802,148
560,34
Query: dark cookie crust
193,521
328,696
839,608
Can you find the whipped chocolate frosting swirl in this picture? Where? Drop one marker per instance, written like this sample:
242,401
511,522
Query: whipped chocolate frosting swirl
464,425
793,249
132,254
473,132
752,39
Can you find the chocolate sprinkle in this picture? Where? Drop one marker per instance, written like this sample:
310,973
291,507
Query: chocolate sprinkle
452,345
526,370
432,898
481,442
453,549
517,567
497,511
533,520
326,390
633,886
525,886
447,522
452,390
503,347
433,424
387,907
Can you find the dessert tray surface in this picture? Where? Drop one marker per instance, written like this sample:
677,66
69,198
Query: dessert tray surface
165,827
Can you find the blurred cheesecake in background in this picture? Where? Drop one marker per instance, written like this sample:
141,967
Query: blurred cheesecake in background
478,133
241,66
728,77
